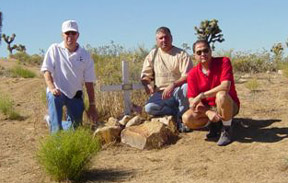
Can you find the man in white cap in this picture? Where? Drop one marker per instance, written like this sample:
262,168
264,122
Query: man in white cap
67,67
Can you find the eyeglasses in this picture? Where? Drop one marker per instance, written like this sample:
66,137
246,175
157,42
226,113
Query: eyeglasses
73,33
205,51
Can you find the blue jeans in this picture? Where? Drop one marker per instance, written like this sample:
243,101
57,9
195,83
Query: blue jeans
75,109
176,105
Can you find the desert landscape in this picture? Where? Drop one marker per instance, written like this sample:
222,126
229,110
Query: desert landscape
259,153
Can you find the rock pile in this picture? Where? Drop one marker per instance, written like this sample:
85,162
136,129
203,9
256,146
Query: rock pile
138,133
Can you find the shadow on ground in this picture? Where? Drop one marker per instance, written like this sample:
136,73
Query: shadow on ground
107,175
249,130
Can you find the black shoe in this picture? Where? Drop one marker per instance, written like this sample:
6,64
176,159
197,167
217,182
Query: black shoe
214,130
226,136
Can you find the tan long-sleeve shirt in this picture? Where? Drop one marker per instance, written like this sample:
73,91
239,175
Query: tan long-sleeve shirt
168,67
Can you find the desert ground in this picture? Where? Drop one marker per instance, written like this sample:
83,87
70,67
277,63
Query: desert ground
259,153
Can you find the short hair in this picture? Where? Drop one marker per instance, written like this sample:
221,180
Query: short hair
201,41
163,29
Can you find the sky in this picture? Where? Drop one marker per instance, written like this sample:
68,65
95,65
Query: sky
247,25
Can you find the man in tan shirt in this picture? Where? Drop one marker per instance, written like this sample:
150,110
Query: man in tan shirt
164,76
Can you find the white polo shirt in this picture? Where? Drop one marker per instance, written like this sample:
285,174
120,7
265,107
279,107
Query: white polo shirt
69,70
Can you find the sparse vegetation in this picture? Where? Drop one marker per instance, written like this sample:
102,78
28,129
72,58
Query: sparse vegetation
252,85
252,62
27,59
65,155
18,71
284,67
7,108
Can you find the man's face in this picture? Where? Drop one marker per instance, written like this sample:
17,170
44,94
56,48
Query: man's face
164,41
70,38
202,53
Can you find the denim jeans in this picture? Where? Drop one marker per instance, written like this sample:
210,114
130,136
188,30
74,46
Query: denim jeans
75,109
176,105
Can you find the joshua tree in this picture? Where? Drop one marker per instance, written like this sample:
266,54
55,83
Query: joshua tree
9,40
20,48
209,31
277,49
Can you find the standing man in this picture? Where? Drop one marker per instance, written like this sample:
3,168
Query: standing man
67,67
164,76
211,93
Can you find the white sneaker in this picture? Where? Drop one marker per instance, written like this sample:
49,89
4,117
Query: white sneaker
47,120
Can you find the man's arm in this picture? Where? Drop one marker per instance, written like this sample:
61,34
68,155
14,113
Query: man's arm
92,112
170,88
147,73
224,86
50,83
148,85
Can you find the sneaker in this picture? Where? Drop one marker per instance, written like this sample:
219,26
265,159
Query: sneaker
182,128
226,136
214,130
47,120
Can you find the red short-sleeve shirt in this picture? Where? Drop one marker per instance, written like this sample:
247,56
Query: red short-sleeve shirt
220,70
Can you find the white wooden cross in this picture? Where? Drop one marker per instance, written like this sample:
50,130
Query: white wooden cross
126,86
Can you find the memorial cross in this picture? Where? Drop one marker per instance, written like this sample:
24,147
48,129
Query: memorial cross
126,87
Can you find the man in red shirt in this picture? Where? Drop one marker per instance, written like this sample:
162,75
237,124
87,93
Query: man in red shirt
211,93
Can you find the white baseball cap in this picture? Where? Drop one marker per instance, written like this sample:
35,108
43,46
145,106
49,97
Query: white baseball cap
70,25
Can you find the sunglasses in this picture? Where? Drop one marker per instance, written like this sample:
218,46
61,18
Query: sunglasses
205,51
73,33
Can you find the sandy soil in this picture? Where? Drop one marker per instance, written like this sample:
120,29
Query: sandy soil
258,154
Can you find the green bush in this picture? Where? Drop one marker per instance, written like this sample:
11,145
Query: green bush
18,71
25,58
253,62
66,155
6,107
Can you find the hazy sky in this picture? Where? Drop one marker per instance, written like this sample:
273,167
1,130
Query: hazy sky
247,25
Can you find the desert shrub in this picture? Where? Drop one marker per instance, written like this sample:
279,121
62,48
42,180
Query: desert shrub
284,67
67,154
252,85
6,107
19,71
253,62
25,58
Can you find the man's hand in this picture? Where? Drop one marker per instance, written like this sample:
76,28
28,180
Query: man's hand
149,89
55,91
195,101
148,85
167,93
92,113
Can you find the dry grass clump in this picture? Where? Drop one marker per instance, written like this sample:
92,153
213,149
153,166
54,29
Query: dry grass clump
7,108
19,71
252,85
